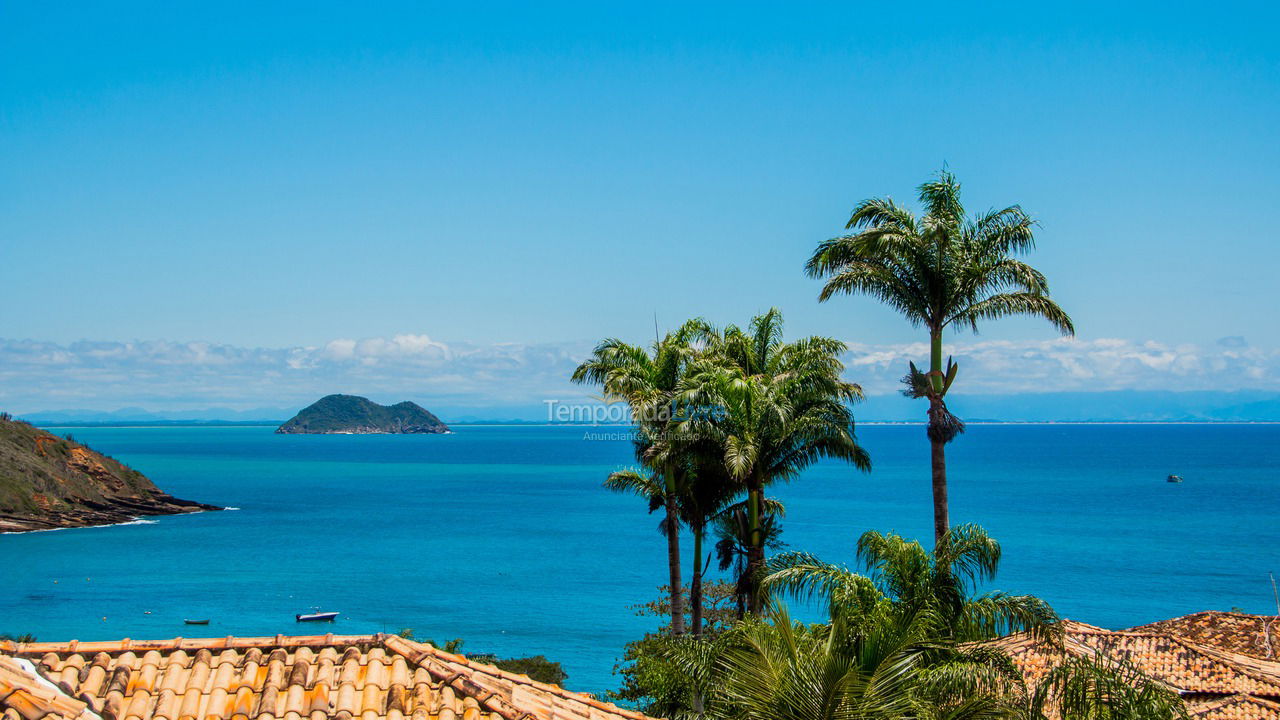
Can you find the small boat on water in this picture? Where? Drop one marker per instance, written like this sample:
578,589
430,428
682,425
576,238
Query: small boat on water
316,617
196,622
1173,478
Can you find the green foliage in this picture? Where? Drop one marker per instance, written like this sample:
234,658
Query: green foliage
777,669
733,543
897,643
449,646
781,407
23,638
1098,688
941,269
718,607
537,667
722,413
944,269
646,381
904,579
652,679
37,472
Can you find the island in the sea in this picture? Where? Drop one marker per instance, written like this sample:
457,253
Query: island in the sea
49,482
354,415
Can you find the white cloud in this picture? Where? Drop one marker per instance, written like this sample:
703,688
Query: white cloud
1058,365
167,375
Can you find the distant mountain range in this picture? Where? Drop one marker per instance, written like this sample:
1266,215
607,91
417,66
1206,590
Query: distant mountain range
1118,406
138,415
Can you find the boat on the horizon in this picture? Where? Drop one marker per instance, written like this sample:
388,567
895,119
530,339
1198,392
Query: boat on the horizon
196,622
316,617
1174,479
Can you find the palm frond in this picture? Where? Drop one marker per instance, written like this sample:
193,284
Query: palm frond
1085,688
941,199
1015,303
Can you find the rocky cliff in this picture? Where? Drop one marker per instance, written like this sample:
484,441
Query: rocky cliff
51,482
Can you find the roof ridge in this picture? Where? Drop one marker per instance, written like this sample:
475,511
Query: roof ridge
1201,613
392,641
184,643
500,694
1218,703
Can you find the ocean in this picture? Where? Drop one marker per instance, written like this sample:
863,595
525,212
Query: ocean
502,535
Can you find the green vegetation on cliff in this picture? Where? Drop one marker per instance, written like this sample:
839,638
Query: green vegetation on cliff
47,481
336,414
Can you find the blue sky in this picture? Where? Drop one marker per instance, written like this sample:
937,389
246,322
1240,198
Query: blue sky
286,177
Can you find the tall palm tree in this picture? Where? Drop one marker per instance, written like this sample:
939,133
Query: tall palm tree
902,578
647,381
708,492
944,269
772,408
700,499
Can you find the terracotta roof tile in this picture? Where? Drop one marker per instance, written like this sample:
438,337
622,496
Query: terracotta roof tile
1255,635
281,678
1180,664
1236,707
1216,684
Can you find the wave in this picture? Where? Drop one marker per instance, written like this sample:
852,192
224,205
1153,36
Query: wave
135,521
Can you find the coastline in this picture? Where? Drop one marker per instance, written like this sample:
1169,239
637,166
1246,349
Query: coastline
356,508
862,423
131,513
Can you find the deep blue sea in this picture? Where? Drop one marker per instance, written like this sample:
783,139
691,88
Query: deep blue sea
502,535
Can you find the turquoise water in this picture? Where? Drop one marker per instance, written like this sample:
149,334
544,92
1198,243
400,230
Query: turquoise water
502,536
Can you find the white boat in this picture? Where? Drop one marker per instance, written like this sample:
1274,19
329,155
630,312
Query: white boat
316,617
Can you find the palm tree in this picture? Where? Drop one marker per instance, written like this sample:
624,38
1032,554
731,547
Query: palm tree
772,409
777,669
700,499
646,382
904,579
647,486
709,491
942,269
733,543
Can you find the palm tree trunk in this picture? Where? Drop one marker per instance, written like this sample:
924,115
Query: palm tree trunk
695,586
673,556
937,445
938,461
755,551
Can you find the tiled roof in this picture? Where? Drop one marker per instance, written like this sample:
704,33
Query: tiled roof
1182,665
367,677
24,694
1217,684
1236,707
1256,635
